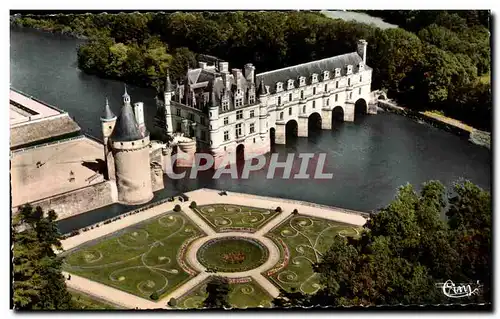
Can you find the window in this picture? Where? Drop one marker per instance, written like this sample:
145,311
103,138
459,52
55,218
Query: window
290,111
251,99
254,140
238,102
360,78
239,115
226,121
350,95
337,72
302,94
304,109
314,104
252,113
279,100
279,87
225,105
359,91
238,130
252,128
326,87
349,82
290,97
349,69
326,75
327,102
314,78
179,112
226,135
281,116
191,117
337,84
290,84
336,97
179,127
302,80
314,90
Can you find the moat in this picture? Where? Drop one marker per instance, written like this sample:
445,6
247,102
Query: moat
369,159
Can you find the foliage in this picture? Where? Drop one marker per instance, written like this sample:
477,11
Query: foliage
38,282
177,208
406,249
295,211
218,293
278,209
172,302
154,296
434,61
193,204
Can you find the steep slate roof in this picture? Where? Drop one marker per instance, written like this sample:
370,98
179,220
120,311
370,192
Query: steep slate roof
38,131
108,114
126,127
307,69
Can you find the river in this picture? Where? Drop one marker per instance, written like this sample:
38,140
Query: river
369,159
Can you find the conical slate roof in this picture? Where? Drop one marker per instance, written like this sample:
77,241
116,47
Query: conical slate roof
262,89
168,85
108,114
126,128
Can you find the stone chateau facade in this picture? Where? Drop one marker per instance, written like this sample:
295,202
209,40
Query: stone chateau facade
226,112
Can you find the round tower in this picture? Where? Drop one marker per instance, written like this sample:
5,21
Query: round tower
130,149
263,96
169,91
108,121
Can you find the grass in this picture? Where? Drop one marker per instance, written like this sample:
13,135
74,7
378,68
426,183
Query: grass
225,216
86,302
307,238
242,295
439,115
139,259
221,253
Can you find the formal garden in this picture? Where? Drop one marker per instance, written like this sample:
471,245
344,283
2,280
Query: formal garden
141,259
242,295
149,259
302,241
226,217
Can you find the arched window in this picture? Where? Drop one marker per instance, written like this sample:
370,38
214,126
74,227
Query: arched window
281,116
314,90
304,109
302,94
279,100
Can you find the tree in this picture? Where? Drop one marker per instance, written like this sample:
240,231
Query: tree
406,248
38,282
218,293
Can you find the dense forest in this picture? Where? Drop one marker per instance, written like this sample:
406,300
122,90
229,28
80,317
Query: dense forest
438,60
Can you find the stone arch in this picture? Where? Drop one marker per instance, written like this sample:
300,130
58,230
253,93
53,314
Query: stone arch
291,130
240,153
272,136
337,115
314,122
360,108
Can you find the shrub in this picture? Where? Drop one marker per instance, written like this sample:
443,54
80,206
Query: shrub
177,208
193,204
278,209
154,296
295,211
172,302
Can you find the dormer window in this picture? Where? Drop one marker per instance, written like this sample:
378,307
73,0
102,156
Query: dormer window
238,91
361,66
337,72
279,87
349,69
314,78
251,99
238,102
290,85
302,81
326,75
225,105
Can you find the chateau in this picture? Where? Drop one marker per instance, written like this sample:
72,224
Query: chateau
244,113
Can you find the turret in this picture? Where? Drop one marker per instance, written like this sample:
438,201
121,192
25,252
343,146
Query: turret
108,121
169,92
126,97
249,72
131,158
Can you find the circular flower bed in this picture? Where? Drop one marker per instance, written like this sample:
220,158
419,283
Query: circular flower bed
232,254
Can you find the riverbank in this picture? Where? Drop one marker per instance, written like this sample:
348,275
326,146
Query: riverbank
451,125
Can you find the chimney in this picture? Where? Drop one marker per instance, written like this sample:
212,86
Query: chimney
250,72
223,67
236,74
362,45
202,65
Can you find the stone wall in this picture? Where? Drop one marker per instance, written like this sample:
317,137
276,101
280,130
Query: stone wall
79,201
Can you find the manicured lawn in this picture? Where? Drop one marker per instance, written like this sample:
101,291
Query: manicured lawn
306,238
85,302
227,216
232,254
139,259
244,295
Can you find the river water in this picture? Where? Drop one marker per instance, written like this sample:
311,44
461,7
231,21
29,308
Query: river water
369,159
